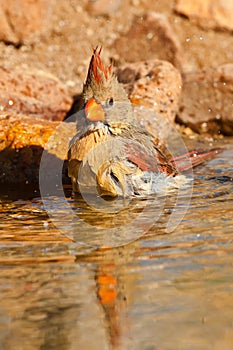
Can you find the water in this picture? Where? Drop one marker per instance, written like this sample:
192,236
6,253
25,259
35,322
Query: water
162,291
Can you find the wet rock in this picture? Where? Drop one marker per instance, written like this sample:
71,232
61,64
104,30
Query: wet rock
208,13
155,87
24,21
207,102
150,36
103,7
33,92
24,139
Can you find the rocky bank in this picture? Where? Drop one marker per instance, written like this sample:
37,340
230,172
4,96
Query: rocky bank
174,58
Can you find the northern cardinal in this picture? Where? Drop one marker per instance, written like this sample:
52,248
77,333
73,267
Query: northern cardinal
111,151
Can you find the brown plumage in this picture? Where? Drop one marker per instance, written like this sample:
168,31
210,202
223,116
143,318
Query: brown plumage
111,153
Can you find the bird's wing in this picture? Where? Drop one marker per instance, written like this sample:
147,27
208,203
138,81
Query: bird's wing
149,159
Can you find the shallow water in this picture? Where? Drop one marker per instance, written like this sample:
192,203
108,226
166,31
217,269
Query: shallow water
164,290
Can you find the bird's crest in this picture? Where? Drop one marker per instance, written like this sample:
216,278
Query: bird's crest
97,68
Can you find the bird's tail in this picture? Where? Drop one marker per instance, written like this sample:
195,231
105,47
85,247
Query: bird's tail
193,158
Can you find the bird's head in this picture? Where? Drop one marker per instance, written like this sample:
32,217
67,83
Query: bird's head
104,97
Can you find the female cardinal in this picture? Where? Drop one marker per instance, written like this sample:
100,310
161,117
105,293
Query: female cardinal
111,151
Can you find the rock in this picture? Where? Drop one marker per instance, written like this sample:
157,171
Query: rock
33,92
207,101
208,13
150,36
24,21
102,7
155,85
24,139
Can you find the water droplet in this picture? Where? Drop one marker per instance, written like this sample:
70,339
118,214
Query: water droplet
201,37
204,126
150,36
10,103
62,23
187,40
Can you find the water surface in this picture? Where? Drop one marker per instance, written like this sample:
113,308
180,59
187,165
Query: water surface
162,291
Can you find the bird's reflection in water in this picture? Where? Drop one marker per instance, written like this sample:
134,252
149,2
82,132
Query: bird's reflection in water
114,292
104,289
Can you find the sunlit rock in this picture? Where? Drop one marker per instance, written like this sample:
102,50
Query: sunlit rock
207,104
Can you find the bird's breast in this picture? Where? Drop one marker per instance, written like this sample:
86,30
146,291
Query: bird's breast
86,142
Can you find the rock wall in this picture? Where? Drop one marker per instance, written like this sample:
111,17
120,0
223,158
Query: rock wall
174,59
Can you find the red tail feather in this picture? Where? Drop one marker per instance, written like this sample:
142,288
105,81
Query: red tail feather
193,158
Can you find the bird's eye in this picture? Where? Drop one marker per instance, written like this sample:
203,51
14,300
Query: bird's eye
110,102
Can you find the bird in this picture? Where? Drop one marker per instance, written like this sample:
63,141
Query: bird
112,154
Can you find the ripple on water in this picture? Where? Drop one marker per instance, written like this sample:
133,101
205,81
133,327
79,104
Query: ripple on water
165,290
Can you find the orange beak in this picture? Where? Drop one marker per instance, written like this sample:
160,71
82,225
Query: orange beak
94,111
